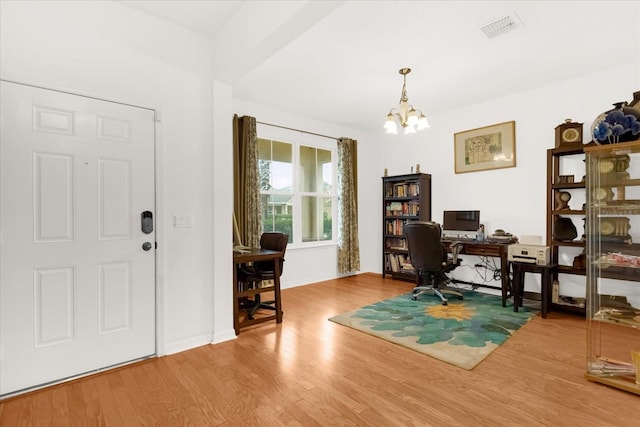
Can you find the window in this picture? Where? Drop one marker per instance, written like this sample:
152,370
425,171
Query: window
297,192
315,172
276,186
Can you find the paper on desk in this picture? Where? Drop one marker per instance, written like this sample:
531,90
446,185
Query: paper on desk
531,240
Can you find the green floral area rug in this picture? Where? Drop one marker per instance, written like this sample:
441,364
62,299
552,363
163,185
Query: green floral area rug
462,333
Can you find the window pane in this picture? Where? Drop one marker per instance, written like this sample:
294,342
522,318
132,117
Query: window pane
315,170
317,220
324,165
308,169
309,219
327,218
282,168
275,167
277,213
264,149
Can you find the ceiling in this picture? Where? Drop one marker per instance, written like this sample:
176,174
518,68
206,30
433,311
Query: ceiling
338,61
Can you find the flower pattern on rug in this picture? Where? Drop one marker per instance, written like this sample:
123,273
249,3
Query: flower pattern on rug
473,322
462,333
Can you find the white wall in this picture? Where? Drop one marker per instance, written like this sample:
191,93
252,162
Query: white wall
512,199
113,52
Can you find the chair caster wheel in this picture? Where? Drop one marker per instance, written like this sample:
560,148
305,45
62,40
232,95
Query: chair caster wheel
460,298
445,303
414,298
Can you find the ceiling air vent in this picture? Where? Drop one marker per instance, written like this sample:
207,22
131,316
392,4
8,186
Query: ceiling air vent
501,26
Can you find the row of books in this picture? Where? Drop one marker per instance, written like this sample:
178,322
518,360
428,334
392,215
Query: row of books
399,263
395,243
411,208
403,190
395,226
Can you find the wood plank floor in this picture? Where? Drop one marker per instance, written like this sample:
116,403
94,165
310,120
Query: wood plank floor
309,371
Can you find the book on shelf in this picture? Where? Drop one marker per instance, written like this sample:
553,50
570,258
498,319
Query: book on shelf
399,263
396,243
411,189
394,262
395,226
411,208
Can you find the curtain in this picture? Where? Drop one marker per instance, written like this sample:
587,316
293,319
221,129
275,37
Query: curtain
246,191
348,247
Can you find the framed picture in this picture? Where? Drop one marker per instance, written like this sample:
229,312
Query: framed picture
489,147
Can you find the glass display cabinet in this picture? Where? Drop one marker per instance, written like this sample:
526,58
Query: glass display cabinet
613,265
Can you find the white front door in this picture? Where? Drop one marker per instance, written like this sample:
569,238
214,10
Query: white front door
77,289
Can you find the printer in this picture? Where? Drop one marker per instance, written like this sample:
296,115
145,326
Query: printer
533,254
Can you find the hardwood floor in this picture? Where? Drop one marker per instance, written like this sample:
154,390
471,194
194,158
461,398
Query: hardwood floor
308,371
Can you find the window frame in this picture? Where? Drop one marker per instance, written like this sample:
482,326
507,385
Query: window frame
298,139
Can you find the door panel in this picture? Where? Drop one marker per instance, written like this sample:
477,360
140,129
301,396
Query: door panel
54,301
114,199
53,197
77,291
114,297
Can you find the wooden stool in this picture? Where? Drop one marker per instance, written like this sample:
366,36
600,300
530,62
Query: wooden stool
519,268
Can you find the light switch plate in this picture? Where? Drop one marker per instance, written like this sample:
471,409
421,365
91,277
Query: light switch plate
182,220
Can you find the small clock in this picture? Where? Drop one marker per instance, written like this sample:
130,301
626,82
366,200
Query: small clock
568,133
606,165
562,200
615,226
607,227
601,194
620,173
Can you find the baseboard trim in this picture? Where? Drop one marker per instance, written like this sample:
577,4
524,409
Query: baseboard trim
187,344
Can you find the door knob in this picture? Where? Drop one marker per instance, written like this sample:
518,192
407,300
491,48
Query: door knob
146,246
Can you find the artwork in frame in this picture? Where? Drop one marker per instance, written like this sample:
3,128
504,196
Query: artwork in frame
488,147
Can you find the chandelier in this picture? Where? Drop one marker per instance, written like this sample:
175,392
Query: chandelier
408,117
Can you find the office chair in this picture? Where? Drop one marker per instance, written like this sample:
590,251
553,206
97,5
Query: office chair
251,276
430,259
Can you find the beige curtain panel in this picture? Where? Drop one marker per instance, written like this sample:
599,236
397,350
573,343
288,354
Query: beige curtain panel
348,246
246,191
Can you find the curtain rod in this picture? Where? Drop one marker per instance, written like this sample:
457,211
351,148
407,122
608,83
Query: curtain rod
298,130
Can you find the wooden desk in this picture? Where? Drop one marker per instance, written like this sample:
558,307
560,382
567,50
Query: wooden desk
253,255
497,250
519,268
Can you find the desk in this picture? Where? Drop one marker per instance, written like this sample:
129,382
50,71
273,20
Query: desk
253,255
519,268
498,250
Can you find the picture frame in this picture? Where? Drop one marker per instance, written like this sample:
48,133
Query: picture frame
485,148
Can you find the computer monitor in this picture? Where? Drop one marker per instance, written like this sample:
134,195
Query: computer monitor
460,223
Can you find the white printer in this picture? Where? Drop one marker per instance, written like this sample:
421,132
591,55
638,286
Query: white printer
533,254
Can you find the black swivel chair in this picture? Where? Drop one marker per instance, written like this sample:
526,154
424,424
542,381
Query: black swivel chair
430,259
250,276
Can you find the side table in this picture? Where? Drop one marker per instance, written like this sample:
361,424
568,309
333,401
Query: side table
253,255
519,268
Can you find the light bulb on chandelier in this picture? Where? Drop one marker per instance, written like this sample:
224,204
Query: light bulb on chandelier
409,118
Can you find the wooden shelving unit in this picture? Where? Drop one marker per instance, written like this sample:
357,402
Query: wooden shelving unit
555,185
404,198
